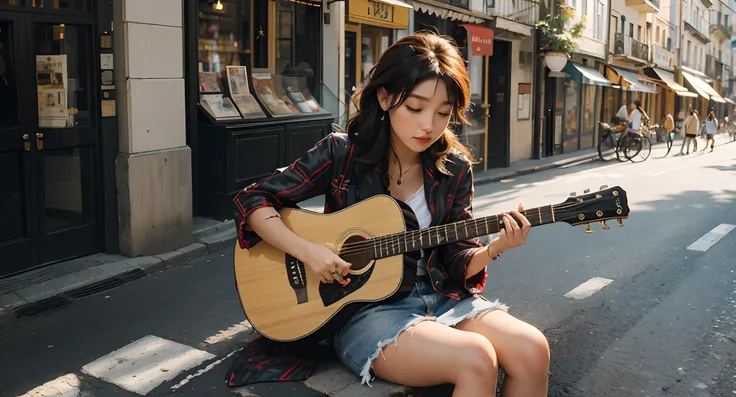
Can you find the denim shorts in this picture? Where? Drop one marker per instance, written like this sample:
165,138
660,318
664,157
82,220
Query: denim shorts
361,340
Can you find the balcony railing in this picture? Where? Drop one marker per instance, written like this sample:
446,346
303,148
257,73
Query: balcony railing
522,11
662,57
697,23
629,47
719,24
713,67
692,64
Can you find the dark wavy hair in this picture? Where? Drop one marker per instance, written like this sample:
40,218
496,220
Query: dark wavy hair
404,65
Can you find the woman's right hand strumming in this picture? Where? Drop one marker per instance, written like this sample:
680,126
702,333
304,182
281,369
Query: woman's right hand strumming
321,260
325,263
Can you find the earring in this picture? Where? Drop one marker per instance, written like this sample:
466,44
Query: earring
383,115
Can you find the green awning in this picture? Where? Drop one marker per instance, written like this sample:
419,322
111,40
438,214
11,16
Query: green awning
588,75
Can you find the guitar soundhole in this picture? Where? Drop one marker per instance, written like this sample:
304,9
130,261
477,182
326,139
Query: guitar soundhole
356,251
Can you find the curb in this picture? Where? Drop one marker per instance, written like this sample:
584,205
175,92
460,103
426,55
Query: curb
481,180
62,291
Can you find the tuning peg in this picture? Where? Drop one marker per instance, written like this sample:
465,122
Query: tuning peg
587,228
620,223
603,187
586,190
572,194
604,226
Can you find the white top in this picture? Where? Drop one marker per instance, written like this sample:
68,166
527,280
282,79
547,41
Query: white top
636,120
418,203
623,113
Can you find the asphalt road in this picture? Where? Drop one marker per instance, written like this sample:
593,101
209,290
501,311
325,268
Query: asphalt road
664,325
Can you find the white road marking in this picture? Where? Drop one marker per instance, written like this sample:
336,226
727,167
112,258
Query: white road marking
710,239
666,170
203,370
146,363
64,386
229,333
588,288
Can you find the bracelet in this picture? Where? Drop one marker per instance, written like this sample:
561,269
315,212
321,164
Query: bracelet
488,250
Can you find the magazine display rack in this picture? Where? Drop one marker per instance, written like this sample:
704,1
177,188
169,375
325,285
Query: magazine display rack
251,124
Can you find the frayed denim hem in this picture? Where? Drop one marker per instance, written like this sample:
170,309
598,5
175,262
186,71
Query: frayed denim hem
365,373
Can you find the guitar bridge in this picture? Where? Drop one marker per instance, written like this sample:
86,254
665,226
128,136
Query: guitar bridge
297,276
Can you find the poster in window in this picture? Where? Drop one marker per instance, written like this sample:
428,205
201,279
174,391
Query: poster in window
263,87
219,107
237,81
209,82
52,84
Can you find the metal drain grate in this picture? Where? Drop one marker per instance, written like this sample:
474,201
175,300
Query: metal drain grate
42,306
105,285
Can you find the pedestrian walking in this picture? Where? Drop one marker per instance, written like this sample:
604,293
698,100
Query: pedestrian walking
691,132
711,126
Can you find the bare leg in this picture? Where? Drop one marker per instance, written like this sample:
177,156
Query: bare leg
430,354
522,351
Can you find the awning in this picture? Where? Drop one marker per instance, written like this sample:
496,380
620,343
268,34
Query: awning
668,78
703,88
686,94
480,39
628,80
729,100
447,11
697,73
514,27
589,76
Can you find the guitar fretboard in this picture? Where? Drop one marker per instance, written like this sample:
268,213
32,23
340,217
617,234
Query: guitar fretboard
400,243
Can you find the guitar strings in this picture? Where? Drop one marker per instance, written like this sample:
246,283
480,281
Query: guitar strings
377,242
474,222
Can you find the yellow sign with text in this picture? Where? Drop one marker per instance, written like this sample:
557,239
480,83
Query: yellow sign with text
377,13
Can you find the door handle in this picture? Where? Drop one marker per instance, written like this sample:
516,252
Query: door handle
39,140
27,142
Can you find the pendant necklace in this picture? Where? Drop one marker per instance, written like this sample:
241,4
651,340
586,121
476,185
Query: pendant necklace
401,173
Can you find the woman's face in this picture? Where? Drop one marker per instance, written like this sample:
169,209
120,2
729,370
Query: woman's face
424,115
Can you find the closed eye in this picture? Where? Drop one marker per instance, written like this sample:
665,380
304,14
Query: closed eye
411,109
444,114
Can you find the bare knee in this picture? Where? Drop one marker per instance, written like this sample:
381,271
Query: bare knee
477,359
531,357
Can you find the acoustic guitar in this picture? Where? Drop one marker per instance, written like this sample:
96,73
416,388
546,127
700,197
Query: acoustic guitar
379,237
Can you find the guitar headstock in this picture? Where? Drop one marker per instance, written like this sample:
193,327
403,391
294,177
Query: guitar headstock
605,204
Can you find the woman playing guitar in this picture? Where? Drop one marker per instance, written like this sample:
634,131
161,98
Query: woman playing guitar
399,144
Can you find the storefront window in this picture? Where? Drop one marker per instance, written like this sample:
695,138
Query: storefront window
242,59
588,116
572,95
225,35
298,40
375,41
477,129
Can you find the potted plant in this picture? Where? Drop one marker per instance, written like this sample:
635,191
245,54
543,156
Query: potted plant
559,37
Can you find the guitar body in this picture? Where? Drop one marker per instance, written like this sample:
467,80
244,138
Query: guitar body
284,301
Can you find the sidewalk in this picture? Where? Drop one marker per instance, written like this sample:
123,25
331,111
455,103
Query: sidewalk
60,284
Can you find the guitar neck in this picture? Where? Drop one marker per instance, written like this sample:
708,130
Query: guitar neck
400,243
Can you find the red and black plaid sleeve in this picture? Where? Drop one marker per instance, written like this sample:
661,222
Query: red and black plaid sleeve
456,256
307,177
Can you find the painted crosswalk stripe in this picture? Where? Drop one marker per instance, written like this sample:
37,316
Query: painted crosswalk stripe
710,239
229,333
588,288
144,364
67,386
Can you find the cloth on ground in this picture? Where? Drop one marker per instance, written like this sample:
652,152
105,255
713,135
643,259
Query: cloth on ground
263,360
